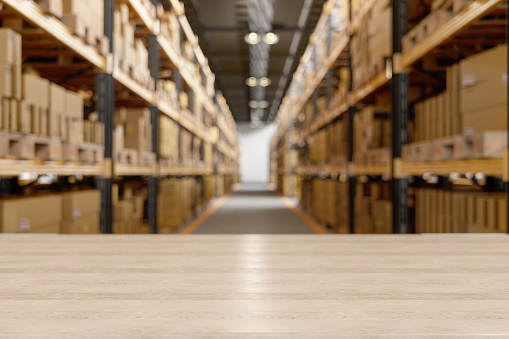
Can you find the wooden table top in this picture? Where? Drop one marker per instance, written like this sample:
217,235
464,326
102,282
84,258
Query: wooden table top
263,286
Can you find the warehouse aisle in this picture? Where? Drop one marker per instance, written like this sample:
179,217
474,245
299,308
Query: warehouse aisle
254,209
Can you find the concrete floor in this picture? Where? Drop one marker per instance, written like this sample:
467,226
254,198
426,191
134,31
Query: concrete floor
254,209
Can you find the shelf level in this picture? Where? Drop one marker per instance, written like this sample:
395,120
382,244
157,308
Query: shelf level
466,17
490,167
31,12
12,168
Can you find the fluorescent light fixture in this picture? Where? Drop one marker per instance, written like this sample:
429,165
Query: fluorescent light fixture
264,82
258,104
271,38
251,82
252,38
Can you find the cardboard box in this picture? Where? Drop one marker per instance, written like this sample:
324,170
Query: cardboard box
36,90
87,224
57,109
484,90
14,115
31,214
74,105
25,112
80,203
382,217
6,80
8,42
53,7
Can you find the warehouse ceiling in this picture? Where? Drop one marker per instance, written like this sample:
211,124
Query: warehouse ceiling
222,25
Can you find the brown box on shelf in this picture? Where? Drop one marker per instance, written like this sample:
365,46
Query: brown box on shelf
80,203
382,217
25,114
53,7
483,93
74,105
88,224
57,109
31,214
6,80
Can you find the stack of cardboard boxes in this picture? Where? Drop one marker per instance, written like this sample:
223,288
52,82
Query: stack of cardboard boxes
170,27
84,15
74,212
373,209
168,92
440,211
10,79
177,202
81,211
133,129
372,43
128,207
131,50
93,130
338,142
483,81
475,100
372,129
168,138
318,147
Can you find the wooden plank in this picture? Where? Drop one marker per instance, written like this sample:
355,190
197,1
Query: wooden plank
490,167
215,281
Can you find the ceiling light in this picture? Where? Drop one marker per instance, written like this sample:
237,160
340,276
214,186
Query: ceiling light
251,82
271,38
252,38
264,82
258,104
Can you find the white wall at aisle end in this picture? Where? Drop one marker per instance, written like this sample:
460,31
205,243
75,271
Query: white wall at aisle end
255,152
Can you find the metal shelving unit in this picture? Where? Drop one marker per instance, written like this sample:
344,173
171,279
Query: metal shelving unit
396,76
108,75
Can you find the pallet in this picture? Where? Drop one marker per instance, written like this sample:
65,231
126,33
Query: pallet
418,151
486,145
146,159
379,156
86,34
483,145
126,156
83,152
29,146
143,79
428,25
167,162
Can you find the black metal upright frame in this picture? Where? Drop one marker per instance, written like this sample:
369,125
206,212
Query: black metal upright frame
153,181
106,108
399,99
352,179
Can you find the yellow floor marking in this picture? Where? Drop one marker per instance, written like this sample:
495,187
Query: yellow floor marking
290,204
205,215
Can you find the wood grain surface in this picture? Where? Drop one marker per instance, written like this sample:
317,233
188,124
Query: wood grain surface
256,286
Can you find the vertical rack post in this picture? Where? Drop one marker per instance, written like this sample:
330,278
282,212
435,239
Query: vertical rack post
399,96
153,181
106,108
352,180
507,151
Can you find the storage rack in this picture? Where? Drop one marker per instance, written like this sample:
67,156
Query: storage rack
107,80
397,76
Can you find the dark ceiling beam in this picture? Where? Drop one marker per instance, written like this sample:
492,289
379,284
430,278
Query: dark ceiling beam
237,56
233,29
